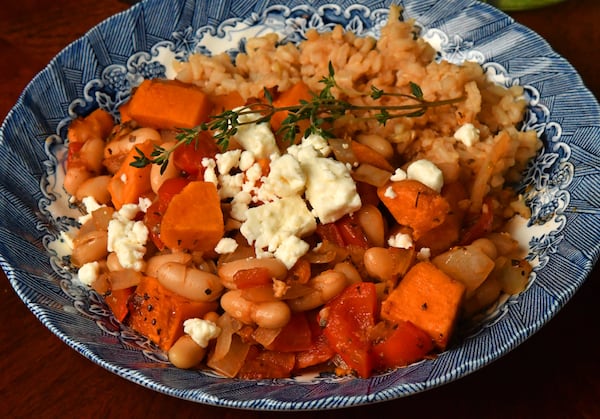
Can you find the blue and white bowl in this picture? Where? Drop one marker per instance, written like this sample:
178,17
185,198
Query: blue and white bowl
100,69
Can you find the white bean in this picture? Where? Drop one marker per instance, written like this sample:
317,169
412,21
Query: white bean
372,223
74,177
227,270
185,353
387,264
349,271
157,261
156,177
189,282
486,246
268,314
122,144
96,187
92,154
377,143
325,286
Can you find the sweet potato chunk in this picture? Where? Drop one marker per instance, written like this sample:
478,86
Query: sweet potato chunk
414,205
158,313
168,104
193,220
429,299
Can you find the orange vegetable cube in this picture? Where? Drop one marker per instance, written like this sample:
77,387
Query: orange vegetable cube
130,183
169,104
290,97
414,205
429,299
158,313
193,219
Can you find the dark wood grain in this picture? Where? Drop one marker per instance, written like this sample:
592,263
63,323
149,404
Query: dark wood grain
555,374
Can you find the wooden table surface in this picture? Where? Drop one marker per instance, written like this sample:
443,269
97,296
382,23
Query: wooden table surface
555,374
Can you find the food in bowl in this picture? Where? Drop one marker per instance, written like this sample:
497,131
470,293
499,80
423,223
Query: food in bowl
338,204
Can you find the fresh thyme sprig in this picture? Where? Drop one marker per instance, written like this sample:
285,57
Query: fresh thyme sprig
320,112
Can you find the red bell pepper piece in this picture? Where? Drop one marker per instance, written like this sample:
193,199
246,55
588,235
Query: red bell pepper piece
253,277
117,300
404,344
351,232
188,157
351,316
294,337
267,364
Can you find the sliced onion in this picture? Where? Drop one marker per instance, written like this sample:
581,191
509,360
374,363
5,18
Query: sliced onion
265,336
231,363
228,327
371,175
89,247
343,151
102,217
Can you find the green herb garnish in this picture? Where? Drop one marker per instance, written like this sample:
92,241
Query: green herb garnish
320,111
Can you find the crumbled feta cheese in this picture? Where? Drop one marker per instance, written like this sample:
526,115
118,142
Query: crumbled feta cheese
144,204
228,160
424,253
201,331
210,167
246,160
252,175
398,175
389,193
226,245
230,185
330,189
401,241
467,134
285,178
127,238
268,226
290,250
257,138
88,273
427,173
239,205
318,143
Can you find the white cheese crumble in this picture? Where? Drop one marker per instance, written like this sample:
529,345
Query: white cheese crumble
268,226
144,204
290,250
389,193
226,245
330,189
127,238
398,175
467,134
201,331
210,174
285,178
257,138
401,241
318,143
424,253
427,173
228,160
88,273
